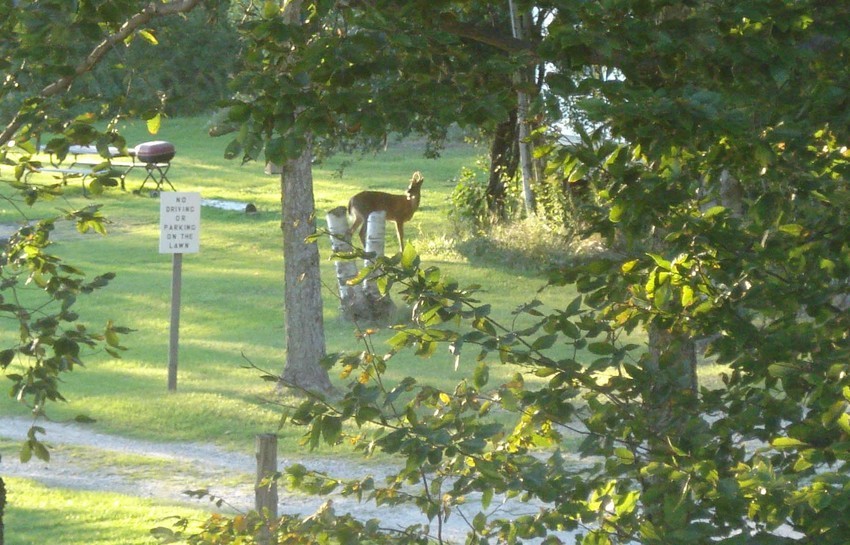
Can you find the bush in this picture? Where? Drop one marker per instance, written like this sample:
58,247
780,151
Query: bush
470,202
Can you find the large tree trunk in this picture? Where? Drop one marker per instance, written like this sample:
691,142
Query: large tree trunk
303,319
305,332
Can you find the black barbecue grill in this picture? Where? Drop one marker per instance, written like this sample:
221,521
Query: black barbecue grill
156,156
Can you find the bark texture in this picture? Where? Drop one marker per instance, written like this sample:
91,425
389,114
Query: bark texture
2,510
504,157
305,332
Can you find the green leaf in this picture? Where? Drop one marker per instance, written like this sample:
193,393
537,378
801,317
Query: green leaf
662,294
616,213
629,265
486,498
713,211
148,36
843,422
409,257
574,306
624,455
687,296
660,261
6,357
481,375
331,429
26,452
788,442
154,124
542,343
600,348
96,187
271,8
794,229
479,522
597,537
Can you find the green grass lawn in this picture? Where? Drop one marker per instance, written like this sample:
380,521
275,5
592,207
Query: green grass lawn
37,514
231,313
233,289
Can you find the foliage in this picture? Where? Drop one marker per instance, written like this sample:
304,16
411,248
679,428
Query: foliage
761,454
38,293
681,102
469,201
184,72
48,46
176,64
362,74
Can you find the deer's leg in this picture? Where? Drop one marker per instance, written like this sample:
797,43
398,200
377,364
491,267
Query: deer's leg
357,221
399,231
363,234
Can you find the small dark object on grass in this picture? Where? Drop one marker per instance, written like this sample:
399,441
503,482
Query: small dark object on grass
250,208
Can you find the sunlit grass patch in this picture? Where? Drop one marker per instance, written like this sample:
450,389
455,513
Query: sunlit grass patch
37,514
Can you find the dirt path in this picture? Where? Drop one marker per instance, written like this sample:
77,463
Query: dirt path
87,460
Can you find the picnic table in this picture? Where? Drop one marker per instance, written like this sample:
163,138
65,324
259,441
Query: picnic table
85,162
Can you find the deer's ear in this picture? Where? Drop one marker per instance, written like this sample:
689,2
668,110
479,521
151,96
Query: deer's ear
417,176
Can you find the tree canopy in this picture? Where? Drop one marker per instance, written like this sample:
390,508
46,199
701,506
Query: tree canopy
712,136
713,140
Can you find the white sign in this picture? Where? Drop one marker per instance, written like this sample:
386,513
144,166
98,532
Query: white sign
179,222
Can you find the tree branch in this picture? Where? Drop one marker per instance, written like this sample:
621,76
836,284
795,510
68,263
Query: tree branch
157,8
449,23
486,36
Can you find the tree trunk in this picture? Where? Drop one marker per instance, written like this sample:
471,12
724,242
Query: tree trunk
303,314
2,510
668,404
503,164
305,332
524,137
363,301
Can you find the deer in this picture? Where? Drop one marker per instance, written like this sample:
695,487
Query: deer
399,208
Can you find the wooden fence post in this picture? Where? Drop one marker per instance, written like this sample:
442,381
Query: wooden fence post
265,489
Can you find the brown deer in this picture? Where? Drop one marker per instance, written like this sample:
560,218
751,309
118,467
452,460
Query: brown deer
399,208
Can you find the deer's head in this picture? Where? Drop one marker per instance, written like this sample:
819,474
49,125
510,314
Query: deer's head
415,186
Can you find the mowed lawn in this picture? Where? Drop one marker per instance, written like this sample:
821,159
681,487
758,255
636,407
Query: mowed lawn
232,290
232,313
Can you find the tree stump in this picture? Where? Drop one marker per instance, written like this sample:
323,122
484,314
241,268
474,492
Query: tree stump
379,305
361,302
350,296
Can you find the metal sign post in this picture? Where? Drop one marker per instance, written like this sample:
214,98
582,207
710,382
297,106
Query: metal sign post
179,233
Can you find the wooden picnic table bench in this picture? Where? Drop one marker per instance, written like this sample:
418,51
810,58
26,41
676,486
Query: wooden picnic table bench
67,172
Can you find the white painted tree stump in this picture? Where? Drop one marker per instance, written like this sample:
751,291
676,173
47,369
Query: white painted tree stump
361,302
